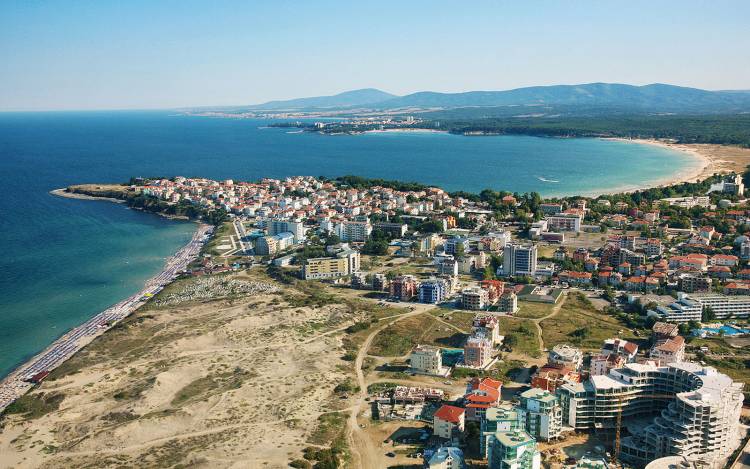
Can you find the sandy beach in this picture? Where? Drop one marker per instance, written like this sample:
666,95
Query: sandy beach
710,159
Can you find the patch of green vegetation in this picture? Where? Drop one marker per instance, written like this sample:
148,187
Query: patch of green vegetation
533,310
328,427
579,322
520,336
399,338
380,387
119,417
207,386
311,296
135,390
300,464
35,405
346,386
501,371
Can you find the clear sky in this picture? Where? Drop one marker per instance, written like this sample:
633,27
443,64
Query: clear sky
127,54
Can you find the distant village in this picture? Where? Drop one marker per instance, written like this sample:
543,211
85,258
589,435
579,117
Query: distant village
674,263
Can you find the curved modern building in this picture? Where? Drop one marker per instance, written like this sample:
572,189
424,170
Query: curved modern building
693,410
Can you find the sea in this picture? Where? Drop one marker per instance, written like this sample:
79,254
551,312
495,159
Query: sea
64,260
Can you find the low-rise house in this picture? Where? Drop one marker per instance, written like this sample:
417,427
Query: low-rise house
550,377
565,355
601,364
669,351
737,288
575,278
448,421
620,347
481,394
445,457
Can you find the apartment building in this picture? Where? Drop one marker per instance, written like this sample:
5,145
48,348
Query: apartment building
448,421
474,298
297,228
343,263
478,351
684,309
455,245
427,360
503,418
519,260
432,291
404,287
512,450
565,355
354,231
724,306
694,283
541,414
488,326
508,303
564,222
695,409
395,230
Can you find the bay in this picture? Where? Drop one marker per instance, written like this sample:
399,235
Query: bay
65,260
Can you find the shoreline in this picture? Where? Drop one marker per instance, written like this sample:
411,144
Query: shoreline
63,192
18,382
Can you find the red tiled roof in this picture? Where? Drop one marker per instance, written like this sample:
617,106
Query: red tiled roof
449,413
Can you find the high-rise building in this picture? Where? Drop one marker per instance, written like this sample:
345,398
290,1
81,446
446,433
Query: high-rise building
432,291
695,410
283,226
519,259
541,414
512,450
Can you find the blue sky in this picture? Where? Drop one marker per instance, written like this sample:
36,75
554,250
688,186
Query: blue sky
134,54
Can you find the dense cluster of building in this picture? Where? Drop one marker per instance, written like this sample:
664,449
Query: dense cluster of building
675,407
690,410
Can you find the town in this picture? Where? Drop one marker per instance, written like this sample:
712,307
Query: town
658,378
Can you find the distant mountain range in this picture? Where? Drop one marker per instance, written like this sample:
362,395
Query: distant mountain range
648,98
363,97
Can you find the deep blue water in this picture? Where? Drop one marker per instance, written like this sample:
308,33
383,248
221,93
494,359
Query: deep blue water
64,260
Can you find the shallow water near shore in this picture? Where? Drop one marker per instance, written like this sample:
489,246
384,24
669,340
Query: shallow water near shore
65,260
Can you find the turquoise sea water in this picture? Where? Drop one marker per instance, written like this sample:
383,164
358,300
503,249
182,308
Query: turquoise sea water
64,260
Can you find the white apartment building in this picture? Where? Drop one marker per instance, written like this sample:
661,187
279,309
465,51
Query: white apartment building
354,231
564,222
427,360
541,414
565,355
724,306
286,226
695,409
682,310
